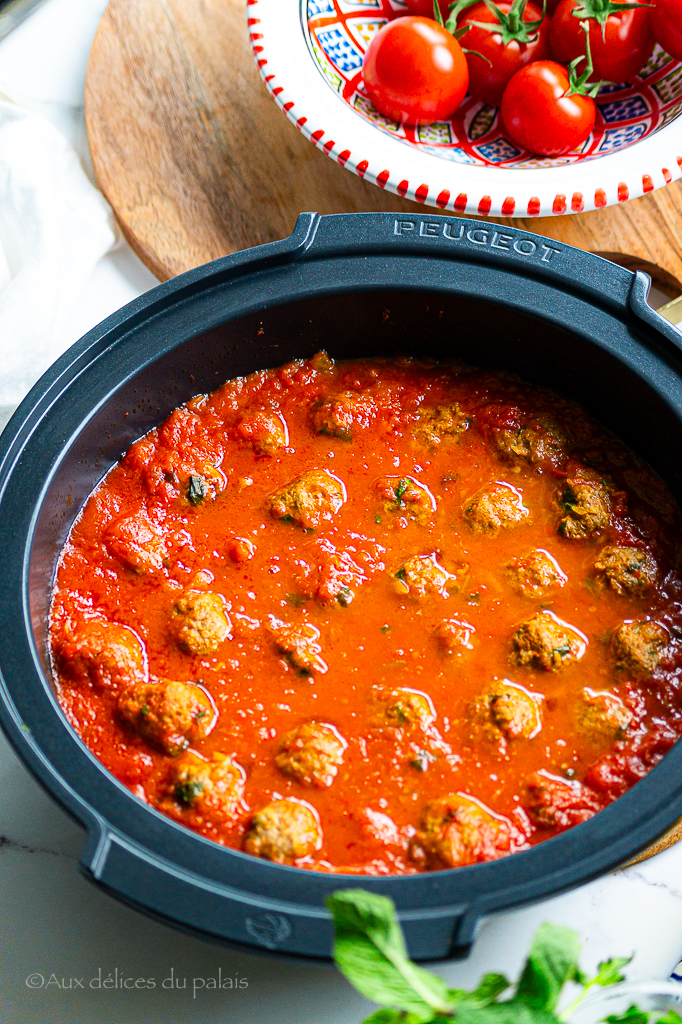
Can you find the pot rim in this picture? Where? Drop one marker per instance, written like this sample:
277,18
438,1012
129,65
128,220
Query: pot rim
133,850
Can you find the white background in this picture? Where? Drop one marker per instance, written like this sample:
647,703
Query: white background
54,923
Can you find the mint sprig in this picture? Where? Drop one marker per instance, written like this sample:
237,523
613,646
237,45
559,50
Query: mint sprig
369,949
608,973
552,961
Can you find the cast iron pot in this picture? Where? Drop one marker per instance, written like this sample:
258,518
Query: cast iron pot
357,285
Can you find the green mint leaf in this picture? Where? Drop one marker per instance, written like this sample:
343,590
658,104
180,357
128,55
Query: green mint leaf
486,992
510,1012
386,1016
633,1015
370,951
609,971
552,961
671,1017
489,988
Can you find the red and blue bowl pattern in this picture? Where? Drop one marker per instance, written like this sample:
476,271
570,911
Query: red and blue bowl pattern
338,33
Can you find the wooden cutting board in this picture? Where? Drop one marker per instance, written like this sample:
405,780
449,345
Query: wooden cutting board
197,160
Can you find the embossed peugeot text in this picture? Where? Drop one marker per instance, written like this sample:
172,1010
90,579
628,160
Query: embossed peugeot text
458,231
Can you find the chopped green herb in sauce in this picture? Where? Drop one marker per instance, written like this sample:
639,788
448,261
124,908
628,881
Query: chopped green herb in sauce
187,792
400,490
422,760
197,490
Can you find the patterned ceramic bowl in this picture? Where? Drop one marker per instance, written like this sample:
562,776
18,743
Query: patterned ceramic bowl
310,57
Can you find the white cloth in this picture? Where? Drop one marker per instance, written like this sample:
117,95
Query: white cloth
54,227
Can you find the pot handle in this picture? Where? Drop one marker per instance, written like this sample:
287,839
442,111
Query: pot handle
181,898
185,900
639,292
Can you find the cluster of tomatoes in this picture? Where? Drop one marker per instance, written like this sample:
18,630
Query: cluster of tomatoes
542,65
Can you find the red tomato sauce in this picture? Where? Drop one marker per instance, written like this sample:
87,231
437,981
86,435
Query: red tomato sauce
376,617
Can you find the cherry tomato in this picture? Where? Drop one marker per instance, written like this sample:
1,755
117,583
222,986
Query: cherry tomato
666,24
538,115
621,43
415,71
500,60
424,8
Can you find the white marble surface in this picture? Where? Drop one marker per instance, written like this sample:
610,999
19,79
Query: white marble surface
55,924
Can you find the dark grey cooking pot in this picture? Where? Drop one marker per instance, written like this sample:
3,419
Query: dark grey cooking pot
356,285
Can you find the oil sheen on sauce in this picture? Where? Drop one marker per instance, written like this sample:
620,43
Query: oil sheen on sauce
376,617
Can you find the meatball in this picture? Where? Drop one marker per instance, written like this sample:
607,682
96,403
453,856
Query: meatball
422,575
283,831
213,789
104,653
200,622
504,712
266,431
445,422
546,642
534,574
337,415
407,497
648,486
630,571
544,441
557,803
453,636
602,716
300,647
585,508
311,754
170,715
456,831
309,499
406,709
137,543
638,646
338,575
497,506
